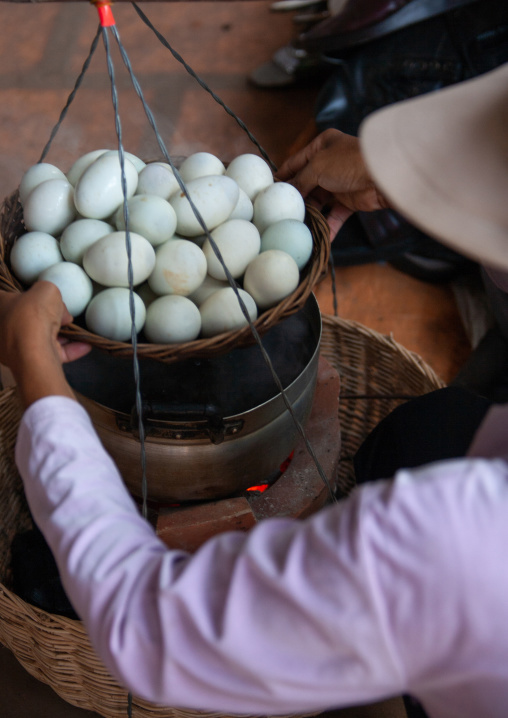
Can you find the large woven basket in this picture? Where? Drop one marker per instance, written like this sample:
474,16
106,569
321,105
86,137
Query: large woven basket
376,373
11,227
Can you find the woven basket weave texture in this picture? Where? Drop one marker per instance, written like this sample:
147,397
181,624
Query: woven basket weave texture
376,374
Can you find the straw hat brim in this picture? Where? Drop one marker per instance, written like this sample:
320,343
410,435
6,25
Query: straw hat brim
441,159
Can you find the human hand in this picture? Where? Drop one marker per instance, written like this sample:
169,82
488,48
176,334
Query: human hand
330,171
31,346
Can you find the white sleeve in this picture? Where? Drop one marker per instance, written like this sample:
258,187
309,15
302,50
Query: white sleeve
290,617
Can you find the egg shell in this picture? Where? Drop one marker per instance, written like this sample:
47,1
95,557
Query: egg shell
215,197
172,320
49,207
108,314
79,235
238,242
81,165
291,236
251,173
208,286
74,284
200,164
222,312
271,277
106,261
150,216
35,175
279,201
157,178
32,253
136,161
98,192
180,268
244,208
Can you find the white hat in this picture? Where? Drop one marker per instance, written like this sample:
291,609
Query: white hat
441,159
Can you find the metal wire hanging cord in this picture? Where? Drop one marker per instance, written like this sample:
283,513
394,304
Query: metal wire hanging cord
229,277
203,84
130,274
72,95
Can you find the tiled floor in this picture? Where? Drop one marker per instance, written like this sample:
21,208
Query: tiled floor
42,50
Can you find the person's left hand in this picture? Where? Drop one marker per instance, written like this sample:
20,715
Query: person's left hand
330,172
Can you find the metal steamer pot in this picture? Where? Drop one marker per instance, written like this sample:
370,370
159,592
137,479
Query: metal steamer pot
213,427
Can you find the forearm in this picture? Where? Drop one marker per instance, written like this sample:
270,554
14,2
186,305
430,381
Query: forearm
38,376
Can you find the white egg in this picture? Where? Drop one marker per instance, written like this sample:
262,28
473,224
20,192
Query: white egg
279,201
49,207
244,208
271,277
81,165
79,235
215,197
35,175
171,320
200,164
180,268
74,284
238,242
32,253
251,173
136,161
157,178
291,236
208,286
106,261
98,192
150,216
222,312
108,314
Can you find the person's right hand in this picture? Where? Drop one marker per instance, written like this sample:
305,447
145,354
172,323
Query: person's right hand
31,347
330,171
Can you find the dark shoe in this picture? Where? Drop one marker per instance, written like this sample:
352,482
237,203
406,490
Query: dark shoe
362,21
290,5
289,67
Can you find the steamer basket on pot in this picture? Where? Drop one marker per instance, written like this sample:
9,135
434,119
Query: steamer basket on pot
12,227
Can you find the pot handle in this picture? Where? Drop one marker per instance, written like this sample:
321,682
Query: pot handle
183,421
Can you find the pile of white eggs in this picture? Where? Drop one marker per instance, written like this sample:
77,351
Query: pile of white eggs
76,239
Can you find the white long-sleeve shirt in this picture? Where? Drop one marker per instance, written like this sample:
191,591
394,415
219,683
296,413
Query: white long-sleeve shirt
403,587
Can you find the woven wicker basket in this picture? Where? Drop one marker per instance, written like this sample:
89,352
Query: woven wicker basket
11,227
376,373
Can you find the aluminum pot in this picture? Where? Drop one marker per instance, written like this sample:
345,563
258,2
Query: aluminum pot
213,427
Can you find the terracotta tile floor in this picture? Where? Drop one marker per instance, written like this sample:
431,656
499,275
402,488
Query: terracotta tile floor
42,50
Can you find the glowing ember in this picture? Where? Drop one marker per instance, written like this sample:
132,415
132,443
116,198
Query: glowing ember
260,488
283,467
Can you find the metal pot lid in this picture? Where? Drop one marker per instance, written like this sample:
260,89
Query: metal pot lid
232,383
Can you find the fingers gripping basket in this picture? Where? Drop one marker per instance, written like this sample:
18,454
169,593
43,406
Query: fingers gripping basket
11,227
377,374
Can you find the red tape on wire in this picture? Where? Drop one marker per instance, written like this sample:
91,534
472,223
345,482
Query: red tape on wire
105,14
